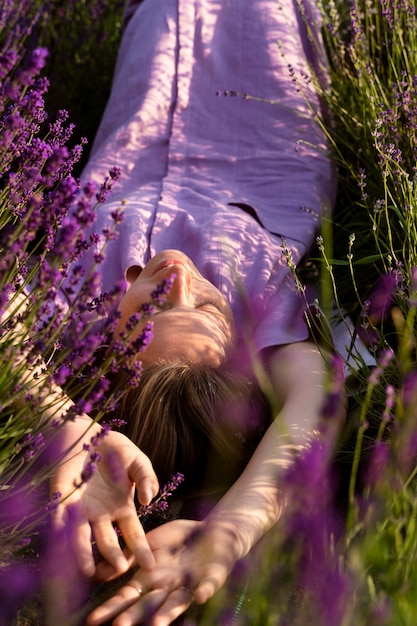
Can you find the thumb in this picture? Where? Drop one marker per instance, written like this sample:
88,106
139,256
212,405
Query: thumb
207,588
143,475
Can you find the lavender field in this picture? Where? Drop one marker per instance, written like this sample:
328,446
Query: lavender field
344,552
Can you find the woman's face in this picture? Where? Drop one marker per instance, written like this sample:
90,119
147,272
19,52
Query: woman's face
195,321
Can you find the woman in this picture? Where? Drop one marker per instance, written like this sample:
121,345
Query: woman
213,120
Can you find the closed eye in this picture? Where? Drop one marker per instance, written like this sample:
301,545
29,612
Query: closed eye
209,303
167,307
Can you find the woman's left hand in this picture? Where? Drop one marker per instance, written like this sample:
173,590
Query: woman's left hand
193,560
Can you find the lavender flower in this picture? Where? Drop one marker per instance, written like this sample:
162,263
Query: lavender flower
333,402
54,501
46,224
108,184
160,503
162,290
114,423
140,343
32,444
134,373
382,297
90,468
378,464
17,583
310,522
409,390
362,183
384,360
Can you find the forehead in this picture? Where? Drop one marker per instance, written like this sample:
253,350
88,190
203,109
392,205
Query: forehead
193,335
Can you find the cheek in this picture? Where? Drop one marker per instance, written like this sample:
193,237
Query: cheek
136,295
128,305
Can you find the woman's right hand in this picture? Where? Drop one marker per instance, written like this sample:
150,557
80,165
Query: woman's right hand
106,498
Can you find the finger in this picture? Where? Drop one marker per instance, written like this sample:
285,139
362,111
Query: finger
135,538
130,605
177,602
175,534
207,588
143,611
120,602
109,547
83,550
106,572
142,474
58,517
147,489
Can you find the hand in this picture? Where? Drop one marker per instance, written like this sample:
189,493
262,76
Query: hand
193,561
106,498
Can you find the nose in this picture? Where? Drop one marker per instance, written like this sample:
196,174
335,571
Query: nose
180,293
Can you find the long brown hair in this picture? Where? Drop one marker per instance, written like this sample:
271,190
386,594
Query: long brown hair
195,419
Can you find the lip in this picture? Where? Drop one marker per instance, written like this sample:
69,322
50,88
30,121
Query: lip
167,263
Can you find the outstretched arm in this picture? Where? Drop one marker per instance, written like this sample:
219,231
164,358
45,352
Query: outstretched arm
200,555
90,509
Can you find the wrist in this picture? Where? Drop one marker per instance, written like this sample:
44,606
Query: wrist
69,448
72,435
244,515
229,532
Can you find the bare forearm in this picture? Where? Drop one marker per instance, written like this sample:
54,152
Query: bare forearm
65,437
254,503
69,444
